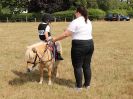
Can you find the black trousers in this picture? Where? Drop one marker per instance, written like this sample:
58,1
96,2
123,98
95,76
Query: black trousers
81,54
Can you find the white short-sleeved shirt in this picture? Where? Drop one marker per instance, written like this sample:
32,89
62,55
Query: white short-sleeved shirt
80,29
47,29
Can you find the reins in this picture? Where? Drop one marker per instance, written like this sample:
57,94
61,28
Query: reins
34,63
40,57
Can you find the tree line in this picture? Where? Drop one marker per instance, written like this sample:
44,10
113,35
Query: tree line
51,6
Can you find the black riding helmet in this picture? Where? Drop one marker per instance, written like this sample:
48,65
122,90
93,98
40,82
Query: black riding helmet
47,18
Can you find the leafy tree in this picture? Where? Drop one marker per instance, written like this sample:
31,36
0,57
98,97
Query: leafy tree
92,4
124,5
131,3
81,2
49,6
84,3
108,4
35,5
77,2
67,4
0,6
15,6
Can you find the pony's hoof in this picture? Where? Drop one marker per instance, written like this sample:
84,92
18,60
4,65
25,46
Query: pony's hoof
40,83
57,75
49,83
28,70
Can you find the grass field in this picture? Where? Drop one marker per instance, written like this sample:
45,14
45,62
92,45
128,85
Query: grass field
112,63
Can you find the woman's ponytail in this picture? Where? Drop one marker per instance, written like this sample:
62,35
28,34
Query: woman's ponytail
82,10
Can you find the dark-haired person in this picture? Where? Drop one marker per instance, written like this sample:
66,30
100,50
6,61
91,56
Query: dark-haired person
82,46
45,34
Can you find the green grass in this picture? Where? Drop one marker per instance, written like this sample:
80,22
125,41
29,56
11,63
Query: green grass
112,71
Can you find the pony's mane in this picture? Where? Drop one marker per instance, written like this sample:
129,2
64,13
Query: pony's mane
30,55
36,44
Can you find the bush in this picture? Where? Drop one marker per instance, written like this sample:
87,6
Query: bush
60,16
118,11
130,13
5,10
27,17
38,16
96,14
21,17
3,17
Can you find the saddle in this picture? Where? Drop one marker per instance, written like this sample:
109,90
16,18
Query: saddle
53,50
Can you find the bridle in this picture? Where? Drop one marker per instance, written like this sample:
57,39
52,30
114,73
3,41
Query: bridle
41,58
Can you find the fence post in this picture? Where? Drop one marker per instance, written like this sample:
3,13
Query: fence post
7,19
73,17
55,19
35,19
26,18
65,19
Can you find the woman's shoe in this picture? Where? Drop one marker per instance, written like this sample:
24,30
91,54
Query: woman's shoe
78,89
87,87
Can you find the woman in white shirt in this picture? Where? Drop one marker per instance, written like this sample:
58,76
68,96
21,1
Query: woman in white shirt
82,46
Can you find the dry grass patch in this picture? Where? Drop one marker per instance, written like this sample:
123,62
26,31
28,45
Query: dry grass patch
112,71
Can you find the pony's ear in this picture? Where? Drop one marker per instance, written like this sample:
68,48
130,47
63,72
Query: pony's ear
34,50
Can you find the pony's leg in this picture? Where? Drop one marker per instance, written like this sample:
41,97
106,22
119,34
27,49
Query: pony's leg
56,70
41,73
49,75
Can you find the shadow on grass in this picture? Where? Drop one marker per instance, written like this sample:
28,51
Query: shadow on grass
64,82
23,78
129,85
34,77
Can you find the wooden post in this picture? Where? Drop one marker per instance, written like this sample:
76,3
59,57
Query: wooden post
65,19
26,18
55,19
73,17
35,19
7,19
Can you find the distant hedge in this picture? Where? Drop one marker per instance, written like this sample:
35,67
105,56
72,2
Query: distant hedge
64,15
130,13
3,17
30,17
96,14
21,17
123,12
118,11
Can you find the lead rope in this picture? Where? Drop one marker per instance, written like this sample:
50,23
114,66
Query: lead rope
34,63
40,58
54,55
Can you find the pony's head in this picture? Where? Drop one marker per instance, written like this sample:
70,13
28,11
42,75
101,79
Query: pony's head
31,56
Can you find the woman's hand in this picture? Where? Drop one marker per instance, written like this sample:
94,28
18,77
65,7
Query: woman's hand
50,41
